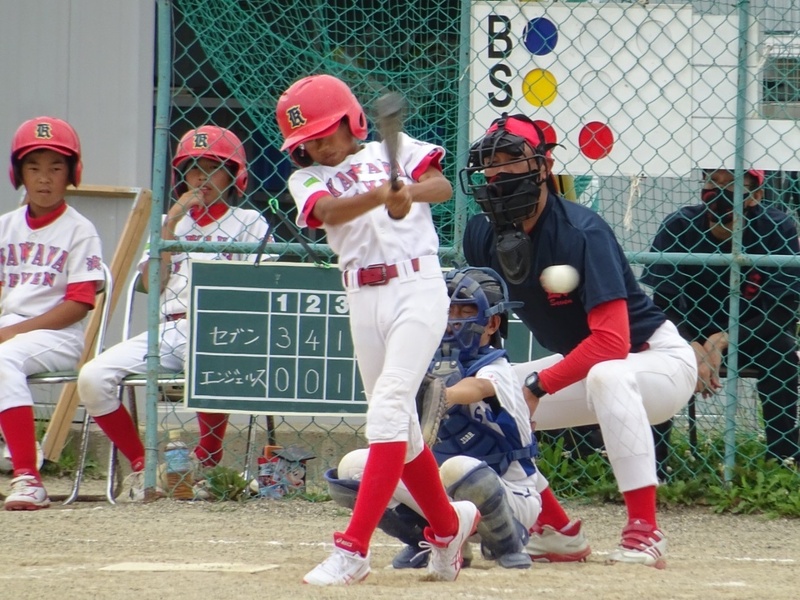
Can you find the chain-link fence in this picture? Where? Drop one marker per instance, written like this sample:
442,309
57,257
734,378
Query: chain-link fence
678,124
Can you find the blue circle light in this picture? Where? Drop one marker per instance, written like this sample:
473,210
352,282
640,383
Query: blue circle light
541,36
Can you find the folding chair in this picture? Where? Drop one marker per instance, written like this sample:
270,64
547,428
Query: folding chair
167,379
57,377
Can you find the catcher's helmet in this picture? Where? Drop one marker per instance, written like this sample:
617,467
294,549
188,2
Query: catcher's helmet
484,288
215,143
45,133
312,108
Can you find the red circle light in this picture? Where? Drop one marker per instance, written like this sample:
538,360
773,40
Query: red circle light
596,140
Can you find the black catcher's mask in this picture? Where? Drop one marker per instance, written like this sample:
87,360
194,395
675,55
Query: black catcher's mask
508,199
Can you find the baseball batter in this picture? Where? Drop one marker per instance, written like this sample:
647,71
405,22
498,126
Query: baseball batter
387,247
620,362
209,166
50,266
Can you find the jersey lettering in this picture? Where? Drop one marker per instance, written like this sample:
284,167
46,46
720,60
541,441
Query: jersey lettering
94,263
39,258
16,254
25,251
12,261
355,171
346,182
558,299
332,189
37,278
62,260
371,185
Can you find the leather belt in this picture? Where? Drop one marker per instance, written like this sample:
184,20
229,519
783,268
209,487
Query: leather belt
175,317
379,274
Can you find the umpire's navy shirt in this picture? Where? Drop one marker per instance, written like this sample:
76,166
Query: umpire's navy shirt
568,233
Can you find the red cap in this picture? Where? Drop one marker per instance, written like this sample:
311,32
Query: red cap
758,174
520,127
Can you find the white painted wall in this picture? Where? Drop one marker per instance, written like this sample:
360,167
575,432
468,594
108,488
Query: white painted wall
89,62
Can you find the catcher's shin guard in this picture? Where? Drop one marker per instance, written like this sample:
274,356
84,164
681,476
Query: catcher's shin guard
503,538
406,525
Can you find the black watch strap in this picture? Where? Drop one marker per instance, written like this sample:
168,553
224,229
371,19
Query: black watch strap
532,383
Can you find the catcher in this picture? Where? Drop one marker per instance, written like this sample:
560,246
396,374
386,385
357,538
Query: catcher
479,428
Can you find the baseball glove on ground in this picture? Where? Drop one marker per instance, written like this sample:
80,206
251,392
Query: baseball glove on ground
431,407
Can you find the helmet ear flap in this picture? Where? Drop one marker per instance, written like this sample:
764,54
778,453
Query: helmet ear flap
14,175
301,157
76,172
241,181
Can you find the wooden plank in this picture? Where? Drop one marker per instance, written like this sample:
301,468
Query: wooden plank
123,259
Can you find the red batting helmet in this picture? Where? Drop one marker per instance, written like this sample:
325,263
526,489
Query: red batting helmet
215,143
312,108
45,133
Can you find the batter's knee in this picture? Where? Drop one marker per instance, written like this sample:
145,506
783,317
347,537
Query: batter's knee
391,409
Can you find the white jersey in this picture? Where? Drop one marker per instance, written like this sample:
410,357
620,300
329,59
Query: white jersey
509,393
236,225
36,265
373,237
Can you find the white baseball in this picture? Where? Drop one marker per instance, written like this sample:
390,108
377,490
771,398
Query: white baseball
560,279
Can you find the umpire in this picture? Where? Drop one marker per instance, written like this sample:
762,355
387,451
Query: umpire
618,361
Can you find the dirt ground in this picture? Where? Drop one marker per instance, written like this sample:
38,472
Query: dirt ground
262,548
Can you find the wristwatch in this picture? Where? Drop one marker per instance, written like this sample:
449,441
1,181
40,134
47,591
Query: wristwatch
532,383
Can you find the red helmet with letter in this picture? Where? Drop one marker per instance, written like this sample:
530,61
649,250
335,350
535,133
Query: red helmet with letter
45,133
312,108
216,143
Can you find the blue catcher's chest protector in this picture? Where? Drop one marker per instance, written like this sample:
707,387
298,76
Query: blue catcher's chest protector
461,435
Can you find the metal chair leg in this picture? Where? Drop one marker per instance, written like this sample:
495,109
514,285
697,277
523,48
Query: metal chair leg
84,448
250,447
111,487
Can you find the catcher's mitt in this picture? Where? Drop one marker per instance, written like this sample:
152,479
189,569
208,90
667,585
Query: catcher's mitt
431,407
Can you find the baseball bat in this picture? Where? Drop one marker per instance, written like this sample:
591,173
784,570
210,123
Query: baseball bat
389,114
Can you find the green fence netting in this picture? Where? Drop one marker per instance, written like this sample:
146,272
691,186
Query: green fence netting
648,100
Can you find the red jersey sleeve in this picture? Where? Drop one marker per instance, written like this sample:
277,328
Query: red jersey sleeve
84,292
433,159
308,210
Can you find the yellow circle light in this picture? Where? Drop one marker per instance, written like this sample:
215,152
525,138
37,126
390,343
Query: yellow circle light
539,87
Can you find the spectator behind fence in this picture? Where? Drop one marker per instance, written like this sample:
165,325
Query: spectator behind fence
50,267
696,297
209,168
